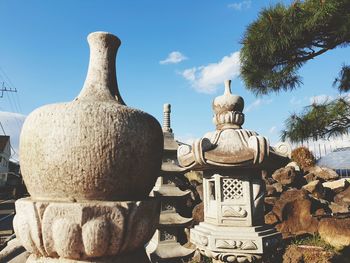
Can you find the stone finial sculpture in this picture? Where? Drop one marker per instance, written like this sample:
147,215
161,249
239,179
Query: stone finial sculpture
166,118
232,160
89,166
164,246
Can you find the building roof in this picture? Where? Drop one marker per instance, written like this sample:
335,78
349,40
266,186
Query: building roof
3,142
338,159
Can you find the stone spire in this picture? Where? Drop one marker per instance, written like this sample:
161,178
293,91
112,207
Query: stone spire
166,118
228,109
164,246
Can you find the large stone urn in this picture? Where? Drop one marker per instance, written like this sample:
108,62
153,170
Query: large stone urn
89,166
232,160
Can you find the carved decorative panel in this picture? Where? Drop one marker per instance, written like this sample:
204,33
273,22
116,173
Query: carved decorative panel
167,207
164,236
232,189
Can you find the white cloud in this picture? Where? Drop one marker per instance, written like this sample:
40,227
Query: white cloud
295,101
12,124
320,99
173,58
273,129
206,79
240,5
257,103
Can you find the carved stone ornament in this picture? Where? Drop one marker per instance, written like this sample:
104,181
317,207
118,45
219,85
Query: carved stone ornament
89,166
232,258
236,244
232,159
233,211
84,230
229,145
94,147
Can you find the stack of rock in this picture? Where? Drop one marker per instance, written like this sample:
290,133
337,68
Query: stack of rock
164,246
308,201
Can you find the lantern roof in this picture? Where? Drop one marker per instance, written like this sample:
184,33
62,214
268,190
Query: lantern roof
229,145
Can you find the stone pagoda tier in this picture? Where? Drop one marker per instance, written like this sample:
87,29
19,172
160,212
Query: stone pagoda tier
164,245
232,160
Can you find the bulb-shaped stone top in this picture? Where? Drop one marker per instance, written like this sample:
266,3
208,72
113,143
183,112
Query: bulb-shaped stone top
228,109
101,81
95,147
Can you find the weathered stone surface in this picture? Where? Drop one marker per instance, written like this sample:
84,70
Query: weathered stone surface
270,190
232,160
343,197
323,173
339,208
308,254
94,147
294,210
335,231
285,175
87,164
279,187
176,201
194,176
293,255
337,186
294,165
14,252
198,213
284,149
267,178
271,200
138,256
271,218
312,186
84,230
310,177
269,203
199,189
315,188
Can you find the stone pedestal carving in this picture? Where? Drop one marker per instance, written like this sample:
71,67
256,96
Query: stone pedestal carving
231,159
164,245
89,166
86,230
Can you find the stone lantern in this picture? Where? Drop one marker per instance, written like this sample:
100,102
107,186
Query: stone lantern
164,246
89,166
232,160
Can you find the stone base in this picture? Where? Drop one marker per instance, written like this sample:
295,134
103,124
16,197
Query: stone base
172,251
91,231
234,244
164,247
136,256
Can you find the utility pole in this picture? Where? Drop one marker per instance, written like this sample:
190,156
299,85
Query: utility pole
5,89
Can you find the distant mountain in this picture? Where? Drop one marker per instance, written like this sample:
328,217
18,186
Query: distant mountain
12,124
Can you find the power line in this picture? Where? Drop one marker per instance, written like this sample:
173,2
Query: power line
18,124
6,89
11,89
2,127
14,105
14,151
9,80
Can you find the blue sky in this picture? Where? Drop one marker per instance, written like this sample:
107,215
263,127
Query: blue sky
177,52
